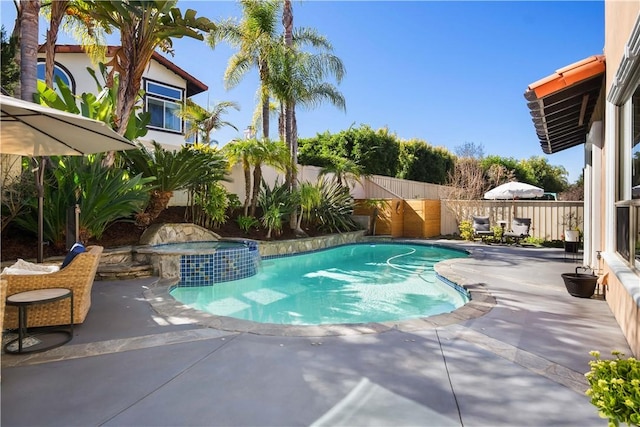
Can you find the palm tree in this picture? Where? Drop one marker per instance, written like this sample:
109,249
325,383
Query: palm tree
144,27
79,24
29,24
268,153
345,171
255,37
297,77
204,121
57,9
242,151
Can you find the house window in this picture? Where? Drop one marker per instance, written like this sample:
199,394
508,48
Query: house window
163,103
190,138
628,166
58,71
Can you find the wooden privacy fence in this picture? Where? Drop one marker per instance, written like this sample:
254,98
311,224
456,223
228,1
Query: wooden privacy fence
430,218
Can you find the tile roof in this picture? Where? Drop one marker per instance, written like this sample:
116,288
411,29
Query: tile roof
194,86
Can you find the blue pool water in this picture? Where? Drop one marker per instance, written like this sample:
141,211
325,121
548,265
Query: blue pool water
357,283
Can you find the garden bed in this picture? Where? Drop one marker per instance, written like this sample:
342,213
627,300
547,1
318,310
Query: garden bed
17,244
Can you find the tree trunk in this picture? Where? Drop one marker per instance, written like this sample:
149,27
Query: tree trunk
17,35
264,75
257,180
29,31
58,9
247,185
158,202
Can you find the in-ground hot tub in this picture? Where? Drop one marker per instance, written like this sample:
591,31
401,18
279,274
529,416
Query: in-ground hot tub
204,262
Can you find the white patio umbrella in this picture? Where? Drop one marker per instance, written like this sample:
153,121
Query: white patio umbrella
29,129
513,190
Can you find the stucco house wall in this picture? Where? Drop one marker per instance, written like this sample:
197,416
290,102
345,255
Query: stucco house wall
623,291
76,64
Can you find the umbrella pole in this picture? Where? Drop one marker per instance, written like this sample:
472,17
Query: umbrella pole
40,189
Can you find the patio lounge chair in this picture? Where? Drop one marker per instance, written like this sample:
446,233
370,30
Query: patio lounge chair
519,229
77,276
482,227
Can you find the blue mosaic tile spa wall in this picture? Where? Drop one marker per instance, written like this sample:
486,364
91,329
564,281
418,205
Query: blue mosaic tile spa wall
221,266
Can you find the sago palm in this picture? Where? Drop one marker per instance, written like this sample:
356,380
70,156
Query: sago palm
173,170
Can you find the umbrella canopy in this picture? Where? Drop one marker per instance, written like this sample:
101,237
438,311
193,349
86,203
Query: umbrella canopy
29,129
513,190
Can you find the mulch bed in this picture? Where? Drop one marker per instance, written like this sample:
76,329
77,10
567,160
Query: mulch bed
16,243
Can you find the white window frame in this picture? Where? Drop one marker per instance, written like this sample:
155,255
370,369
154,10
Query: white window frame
63,70
166,100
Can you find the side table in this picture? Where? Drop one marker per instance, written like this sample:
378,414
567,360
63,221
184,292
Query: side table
22,301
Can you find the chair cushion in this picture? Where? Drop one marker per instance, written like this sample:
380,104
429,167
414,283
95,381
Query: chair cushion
76,249
26,268
481,223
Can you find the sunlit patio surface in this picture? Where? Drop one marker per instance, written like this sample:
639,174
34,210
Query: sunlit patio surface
518,358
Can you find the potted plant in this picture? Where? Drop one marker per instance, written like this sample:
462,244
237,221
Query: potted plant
613,388
571,222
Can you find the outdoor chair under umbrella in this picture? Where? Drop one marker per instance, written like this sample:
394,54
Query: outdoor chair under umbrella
514,190
29,129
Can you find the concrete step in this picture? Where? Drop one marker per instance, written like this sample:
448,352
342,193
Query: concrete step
123,271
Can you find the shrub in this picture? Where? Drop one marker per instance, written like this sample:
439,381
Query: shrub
246,223
466,230
104,195
333,213
615,388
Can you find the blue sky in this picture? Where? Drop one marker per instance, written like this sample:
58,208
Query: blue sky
444,72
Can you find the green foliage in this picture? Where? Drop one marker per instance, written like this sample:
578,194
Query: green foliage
377,153
104,194
98,107
466,230
9,69
333,212
535,171
188,167
277,204
213,202
246,223
497,232
419,161
536,241
17,186
615,388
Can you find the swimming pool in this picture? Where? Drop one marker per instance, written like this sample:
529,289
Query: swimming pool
357,283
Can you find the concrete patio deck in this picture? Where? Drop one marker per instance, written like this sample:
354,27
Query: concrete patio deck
519,364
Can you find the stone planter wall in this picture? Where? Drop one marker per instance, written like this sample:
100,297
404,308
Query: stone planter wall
288,247
157,234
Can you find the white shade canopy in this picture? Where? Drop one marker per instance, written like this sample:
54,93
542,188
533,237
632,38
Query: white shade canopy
29,129
513,190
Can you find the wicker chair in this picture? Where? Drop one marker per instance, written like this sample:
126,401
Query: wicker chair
77,276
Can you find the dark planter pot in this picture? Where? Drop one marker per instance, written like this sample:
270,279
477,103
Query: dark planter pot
581,285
